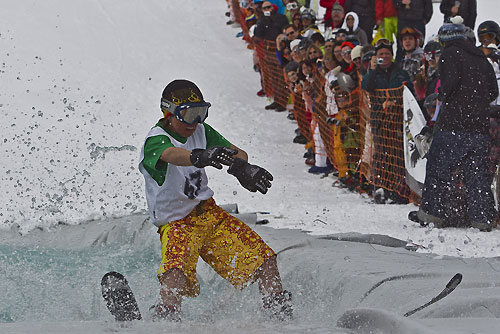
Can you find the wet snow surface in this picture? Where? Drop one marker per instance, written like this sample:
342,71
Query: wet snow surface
81,88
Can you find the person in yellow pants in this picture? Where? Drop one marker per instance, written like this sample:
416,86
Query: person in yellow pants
190,224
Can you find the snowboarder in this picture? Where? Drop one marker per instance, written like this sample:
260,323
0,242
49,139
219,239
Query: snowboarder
190,224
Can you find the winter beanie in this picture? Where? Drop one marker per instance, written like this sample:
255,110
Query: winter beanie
455,30
356,52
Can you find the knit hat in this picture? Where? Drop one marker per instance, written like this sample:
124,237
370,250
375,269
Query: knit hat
356,52
180,92
349,44
294,43
455,30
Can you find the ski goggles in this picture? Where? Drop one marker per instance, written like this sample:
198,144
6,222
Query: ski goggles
383,42
291,6
188,113
487,38
430,55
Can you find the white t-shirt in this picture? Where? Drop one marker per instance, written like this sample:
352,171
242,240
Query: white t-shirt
184,186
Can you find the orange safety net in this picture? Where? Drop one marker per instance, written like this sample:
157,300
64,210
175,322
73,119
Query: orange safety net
383,152
272,73
366,134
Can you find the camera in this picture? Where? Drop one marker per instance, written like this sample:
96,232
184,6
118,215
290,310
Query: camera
380,61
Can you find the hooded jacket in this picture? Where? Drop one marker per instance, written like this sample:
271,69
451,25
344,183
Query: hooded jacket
356,30
468,86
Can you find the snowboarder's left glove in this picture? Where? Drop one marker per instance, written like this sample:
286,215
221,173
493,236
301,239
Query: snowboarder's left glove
251,177
215,157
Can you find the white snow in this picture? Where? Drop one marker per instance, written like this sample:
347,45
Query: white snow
81,89
81,84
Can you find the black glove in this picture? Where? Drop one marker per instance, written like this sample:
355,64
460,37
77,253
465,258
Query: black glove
251,177
215,157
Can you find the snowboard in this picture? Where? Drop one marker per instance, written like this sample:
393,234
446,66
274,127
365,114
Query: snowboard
119,297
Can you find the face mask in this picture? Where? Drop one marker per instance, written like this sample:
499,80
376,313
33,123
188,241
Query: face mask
267,13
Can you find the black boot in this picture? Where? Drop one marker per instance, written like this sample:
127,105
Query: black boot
272,106
279,306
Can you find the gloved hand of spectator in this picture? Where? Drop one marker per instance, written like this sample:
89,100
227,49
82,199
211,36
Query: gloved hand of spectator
251,177
215,157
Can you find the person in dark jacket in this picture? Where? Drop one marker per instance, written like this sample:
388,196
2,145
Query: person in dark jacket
386,74
270,24
468,86
414,14
467,9
268,27
366,13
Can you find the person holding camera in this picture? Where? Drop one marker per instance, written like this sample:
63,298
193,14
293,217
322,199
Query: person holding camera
383,73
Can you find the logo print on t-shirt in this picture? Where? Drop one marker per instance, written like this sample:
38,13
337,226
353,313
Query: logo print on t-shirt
192,185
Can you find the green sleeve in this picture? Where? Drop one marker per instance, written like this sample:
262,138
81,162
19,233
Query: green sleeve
214,138
153,148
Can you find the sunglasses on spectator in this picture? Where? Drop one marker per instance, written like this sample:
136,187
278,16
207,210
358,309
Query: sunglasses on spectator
346,52
383,42
267,7
489,37
291,6
313,52
430,55
290,33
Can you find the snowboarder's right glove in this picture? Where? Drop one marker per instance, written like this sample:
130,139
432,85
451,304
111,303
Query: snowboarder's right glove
215,157
251,177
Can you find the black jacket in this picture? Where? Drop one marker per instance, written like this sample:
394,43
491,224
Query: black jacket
420,10
468,86
364,8
467,10
269,27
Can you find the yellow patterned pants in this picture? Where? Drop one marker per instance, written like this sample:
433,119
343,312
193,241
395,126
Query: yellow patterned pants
227,244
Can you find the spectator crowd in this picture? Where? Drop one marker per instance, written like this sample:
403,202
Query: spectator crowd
341,78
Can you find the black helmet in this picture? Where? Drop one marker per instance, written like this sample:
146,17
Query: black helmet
432,46
488,27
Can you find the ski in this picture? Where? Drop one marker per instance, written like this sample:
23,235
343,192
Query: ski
452,284
119,297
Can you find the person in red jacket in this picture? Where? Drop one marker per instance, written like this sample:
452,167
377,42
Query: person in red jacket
387,18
